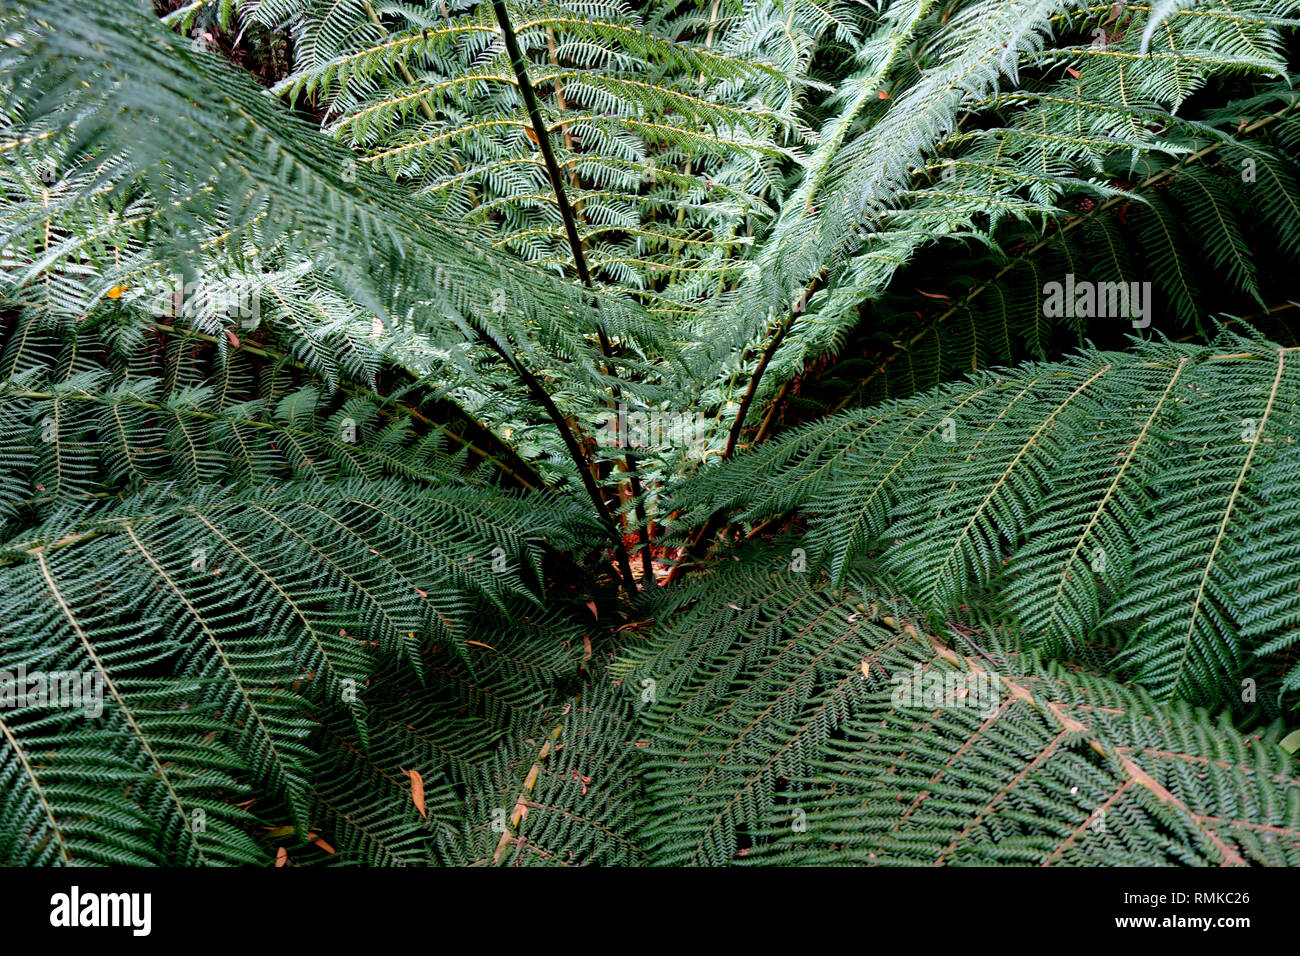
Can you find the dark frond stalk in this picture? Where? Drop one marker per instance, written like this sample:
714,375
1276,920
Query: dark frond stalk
575,245
534,386
543,398
544,145
773,344
694,548
773,409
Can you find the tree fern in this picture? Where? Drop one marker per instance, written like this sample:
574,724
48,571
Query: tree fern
317,524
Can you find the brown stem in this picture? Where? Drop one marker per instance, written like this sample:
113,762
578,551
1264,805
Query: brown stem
772,410
575,245
775,343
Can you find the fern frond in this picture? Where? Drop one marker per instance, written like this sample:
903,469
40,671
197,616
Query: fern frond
1067,487
793,727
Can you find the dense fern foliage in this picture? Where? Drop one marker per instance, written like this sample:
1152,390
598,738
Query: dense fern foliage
649,433
1063,488
779,735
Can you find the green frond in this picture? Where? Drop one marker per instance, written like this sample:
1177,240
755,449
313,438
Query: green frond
794,724
1068,486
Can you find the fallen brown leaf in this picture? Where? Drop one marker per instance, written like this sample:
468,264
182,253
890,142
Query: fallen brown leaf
417,791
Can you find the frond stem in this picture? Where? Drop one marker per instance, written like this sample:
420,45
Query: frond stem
575,452
701,537
543,139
